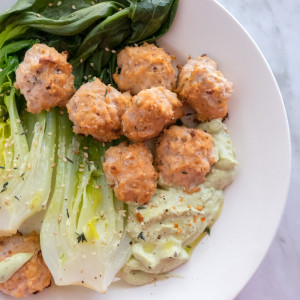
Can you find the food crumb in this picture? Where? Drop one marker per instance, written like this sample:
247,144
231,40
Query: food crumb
58,3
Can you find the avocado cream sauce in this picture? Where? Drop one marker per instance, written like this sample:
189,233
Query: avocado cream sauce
164,231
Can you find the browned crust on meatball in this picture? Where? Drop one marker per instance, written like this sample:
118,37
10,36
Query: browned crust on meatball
184,156
130,172
45,78
204,88
144,67
96,110
34,275
150,112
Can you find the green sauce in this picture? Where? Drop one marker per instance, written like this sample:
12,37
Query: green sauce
10,265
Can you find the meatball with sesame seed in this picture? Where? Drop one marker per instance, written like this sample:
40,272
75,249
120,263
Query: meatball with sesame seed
150,112
96,110
184,156
130,172
34,275
144,67
204,88
45,78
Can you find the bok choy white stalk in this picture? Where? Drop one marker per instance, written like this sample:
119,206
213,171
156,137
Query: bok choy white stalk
25,165
82,236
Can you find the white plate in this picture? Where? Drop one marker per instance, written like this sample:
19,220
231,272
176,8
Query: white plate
223,263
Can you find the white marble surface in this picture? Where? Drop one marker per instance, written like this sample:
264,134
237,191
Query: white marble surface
275,27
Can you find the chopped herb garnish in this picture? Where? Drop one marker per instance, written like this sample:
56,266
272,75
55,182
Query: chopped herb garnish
184,172
81,238
23,133
17,198
140,236
22,176
207,230
68,213
105,93
188,246
68,159
2,167
4,187
141,207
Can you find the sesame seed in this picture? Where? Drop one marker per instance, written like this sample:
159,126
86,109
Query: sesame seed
89,76
38,15
113,51
28,166
85,154
59,3
9,153
73,7
136,45
1,94
81,166
85,77
49,133
50,4
64,159
107,49
120,8
85,148
80,170
61,112
15,165
97,187
10,176
92,64
81,60
53,165
8,170
93,3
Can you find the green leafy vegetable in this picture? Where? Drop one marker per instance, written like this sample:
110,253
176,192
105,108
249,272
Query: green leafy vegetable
90,32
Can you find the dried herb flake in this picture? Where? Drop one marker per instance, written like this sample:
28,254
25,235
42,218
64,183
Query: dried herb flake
81,238
140,236
207,230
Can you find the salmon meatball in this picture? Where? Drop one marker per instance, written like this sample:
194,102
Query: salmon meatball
204,88
184,156
34,275
150,112
130,172
96,110
143,67
45,78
